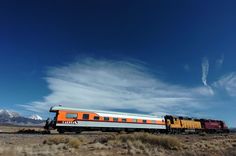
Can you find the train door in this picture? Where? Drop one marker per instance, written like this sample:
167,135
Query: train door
168,121
51,120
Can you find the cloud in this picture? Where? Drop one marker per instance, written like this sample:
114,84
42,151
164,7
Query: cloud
220,61
205,70
207,91
227,83
109,85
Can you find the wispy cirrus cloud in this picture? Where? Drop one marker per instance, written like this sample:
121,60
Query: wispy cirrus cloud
107,84
205,70
227,83
220,61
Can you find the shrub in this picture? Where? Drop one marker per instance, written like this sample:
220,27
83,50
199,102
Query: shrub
71,142
32,131
27,131
74,143
104,139
203,134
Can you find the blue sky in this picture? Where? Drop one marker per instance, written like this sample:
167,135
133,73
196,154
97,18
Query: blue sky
154,57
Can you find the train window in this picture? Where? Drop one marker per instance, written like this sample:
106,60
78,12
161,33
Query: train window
123,120
71,116
96,117
144,121
115,119
135,120
106,118
85,116
153,121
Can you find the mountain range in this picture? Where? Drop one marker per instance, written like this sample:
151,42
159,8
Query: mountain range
9,117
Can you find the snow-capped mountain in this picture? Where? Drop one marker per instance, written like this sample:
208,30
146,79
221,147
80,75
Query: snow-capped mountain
8,117
36,117
7,113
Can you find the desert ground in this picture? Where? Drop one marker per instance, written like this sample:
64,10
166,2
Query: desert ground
30,142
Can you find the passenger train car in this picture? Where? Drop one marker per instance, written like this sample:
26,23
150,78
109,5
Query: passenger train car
76,120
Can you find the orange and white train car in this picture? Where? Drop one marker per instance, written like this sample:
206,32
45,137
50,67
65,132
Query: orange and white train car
76,120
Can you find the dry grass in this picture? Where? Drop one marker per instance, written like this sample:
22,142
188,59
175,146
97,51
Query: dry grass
140,143
230,151
105,144
167,142
71,142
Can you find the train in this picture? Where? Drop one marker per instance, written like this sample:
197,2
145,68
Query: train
67,119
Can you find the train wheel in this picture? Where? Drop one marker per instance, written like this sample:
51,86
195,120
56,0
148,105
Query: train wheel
78,132
61,131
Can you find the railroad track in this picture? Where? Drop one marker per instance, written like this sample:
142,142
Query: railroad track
102,133
44,133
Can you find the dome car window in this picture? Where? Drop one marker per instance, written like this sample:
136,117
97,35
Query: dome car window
71,116
85,116
123,120
106,118
96,117
115,119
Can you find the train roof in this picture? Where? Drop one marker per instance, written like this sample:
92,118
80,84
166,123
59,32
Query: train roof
196,119
109,113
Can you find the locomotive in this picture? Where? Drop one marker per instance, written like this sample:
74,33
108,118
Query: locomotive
68,119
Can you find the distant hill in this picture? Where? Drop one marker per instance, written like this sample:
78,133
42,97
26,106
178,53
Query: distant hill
233,130
8,117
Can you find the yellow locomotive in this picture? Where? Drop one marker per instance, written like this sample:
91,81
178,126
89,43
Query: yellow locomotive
176,124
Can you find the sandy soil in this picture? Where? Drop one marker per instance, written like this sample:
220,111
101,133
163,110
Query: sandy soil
98,143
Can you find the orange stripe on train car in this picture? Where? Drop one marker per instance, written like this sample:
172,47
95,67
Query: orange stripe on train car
62,117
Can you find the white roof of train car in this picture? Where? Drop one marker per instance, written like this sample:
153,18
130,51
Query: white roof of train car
110,113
